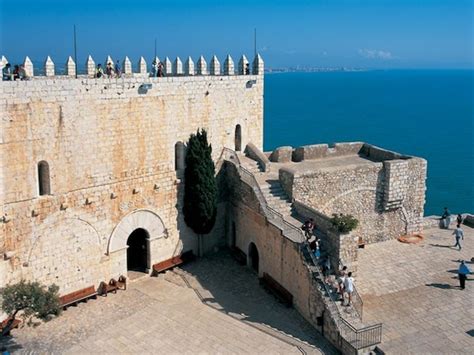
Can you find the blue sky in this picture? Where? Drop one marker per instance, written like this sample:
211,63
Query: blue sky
373,34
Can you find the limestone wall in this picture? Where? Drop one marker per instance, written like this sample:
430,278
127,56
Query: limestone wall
386,197
278,256
110,147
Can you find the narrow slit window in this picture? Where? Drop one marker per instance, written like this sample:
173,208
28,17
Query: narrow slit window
179,156
238,138
44,178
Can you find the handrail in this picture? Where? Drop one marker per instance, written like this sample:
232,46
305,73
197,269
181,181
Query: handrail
353,337
268,211
356,338
356,298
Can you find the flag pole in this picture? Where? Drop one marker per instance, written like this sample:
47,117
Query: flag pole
255,42
75,49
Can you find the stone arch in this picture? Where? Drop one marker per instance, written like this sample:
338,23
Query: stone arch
143,219
44,180
238,138
253,257
64,251
345,193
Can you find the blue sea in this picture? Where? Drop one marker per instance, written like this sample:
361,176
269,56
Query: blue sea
427,113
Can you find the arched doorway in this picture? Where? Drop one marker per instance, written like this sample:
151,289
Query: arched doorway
238,138
137,251
253,257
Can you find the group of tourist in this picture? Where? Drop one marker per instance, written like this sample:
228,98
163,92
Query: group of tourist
445,219
111,71
18,72
463,269
345,281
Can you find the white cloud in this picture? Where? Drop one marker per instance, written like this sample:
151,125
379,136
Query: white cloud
375,54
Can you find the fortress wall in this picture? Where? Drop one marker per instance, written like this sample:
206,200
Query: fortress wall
278,256
110,150
361,192
318,151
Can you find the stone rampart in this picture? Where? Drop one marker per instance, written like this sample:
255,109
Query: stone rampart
384,190
110,147
175,68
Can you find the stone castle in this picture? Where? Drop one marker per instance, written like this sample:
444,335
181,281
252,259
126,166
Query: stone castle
91,174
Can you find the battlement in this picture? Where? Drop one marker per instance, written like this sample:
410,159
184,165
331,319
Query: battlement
175,68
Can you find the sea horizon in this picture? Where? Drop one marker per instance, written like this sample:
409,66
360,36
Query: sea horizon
425,113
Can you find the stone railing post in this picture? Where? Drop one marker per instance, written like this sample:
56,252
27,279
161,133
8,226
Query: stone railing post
3,62
28,65
229,66
215,66
90,65
49,67
127,66
243,65
70,67
258,65
201,66
142,66
189,67
178,67
168,67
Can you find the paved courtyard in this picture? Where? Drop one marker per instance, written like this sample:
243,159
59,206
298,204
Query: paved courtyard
211,306
414,291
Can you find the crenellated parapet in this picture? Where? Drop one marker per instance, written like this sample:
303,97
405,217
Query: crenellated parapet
169,67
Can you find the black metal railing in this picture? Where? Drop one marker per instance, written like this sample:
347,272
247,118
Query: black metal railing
350,337
276,218
355,338
357,302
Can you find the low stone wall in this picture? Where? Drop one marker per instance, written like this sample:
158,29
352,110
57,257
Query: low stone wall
318,151
252,151
340,247
387,198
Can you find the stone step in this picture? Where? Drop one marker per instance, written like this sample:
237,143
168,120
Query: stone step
275,193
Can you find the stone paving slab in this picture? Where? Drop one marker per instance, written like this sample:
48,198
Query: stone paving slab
165,315
414,291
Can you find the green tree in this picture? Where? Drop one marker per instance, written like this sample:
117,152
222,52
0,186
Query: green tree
30,298
200,189
344,223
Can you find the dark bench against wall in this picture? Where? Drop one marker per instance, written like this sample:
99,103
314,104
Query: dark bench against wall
77,296
281,293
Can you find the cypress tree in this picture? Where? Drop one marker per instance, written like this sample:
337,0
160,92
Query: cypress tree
200,189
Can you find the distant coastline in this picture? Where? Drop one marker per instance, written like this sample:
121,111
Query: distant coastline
313,70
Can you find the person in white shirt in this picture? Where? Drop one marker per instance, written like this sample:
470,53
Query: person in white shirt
458,233
349,286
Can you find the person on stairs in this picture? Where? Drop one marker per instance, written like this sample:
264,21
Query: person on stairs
349,287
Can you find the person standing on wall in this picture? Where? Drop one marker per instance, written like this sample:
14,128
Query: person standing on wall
458,234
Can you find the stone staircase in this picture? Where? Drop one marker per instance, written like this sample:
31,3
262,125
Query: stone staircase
276,197
347,318
251,165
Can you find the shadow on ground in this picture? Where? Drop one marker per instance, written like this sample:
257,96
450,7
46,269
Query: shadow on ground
9,343
236,291
442,286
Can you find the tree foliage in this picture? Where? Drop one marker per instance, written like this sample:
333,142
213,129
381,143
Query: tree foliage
31,299
200,190
344,223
